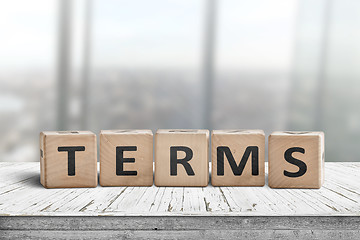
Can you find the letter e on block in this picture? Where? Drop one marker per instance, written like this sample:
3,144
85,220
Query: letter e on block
296,159
68,159
181,158
126,158
238,158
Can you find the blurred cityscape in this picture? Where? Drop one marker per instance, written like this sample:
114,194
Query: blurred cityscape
138,99
225,64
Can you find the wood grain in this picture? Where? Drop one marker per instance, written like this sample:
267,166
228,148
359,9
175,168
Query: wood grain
237,141
143,157
197,141
312,143
54,163
21,194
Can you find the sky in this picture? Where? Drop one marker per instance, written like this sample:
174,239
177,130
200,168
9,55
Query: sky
164,34
27,31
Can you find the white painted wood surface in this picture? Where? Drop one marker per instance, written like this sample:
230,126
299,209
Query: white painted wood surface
21,194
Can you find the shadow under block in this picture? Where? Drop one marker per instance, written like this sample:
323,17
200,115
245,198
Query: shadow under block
68,159
181,158
296,159
238,158
126,158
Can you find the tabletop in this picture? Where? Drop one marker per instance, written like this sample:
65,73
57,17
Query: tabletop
21,194
29,211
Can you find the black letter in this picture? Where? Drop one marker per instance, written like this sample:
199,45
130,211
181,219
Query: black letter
174,160
71,157
289,158
237,170
120,161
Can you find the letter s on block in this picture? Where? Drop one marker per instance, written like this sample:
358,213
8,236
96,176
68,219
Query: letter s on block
290,159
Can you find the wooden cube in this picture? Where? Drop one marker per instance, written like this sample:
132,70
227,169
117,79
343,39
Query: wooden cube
238,158
126,158
296,159
68,159
181,158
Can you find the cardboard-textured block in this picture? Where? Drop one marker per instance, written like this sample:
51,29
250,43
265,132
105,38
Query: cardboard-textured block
238,158
181,158
126,158
68,159
296,159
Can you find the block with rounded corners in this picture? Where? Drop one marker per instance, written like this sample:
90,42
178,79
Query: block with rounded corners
181,157
126,158
68,159
296,159
238,158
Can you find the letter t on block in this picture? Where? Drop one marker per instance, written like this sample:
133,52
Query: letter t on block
296,159
68,159
238,158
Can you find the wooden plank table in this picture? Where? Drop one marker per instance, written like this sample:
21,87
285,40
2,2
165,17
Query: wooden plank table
27,210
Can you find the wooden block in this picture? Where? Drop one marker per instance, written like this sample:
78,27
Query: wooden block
126,158
296,159
68,159
238,158
181,158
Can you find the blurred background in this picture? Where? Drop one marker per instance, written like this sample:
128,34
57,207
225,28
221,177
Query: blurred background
214,64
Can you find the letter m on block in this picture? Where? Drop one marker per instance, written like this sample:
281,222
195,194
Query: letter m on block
223,151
